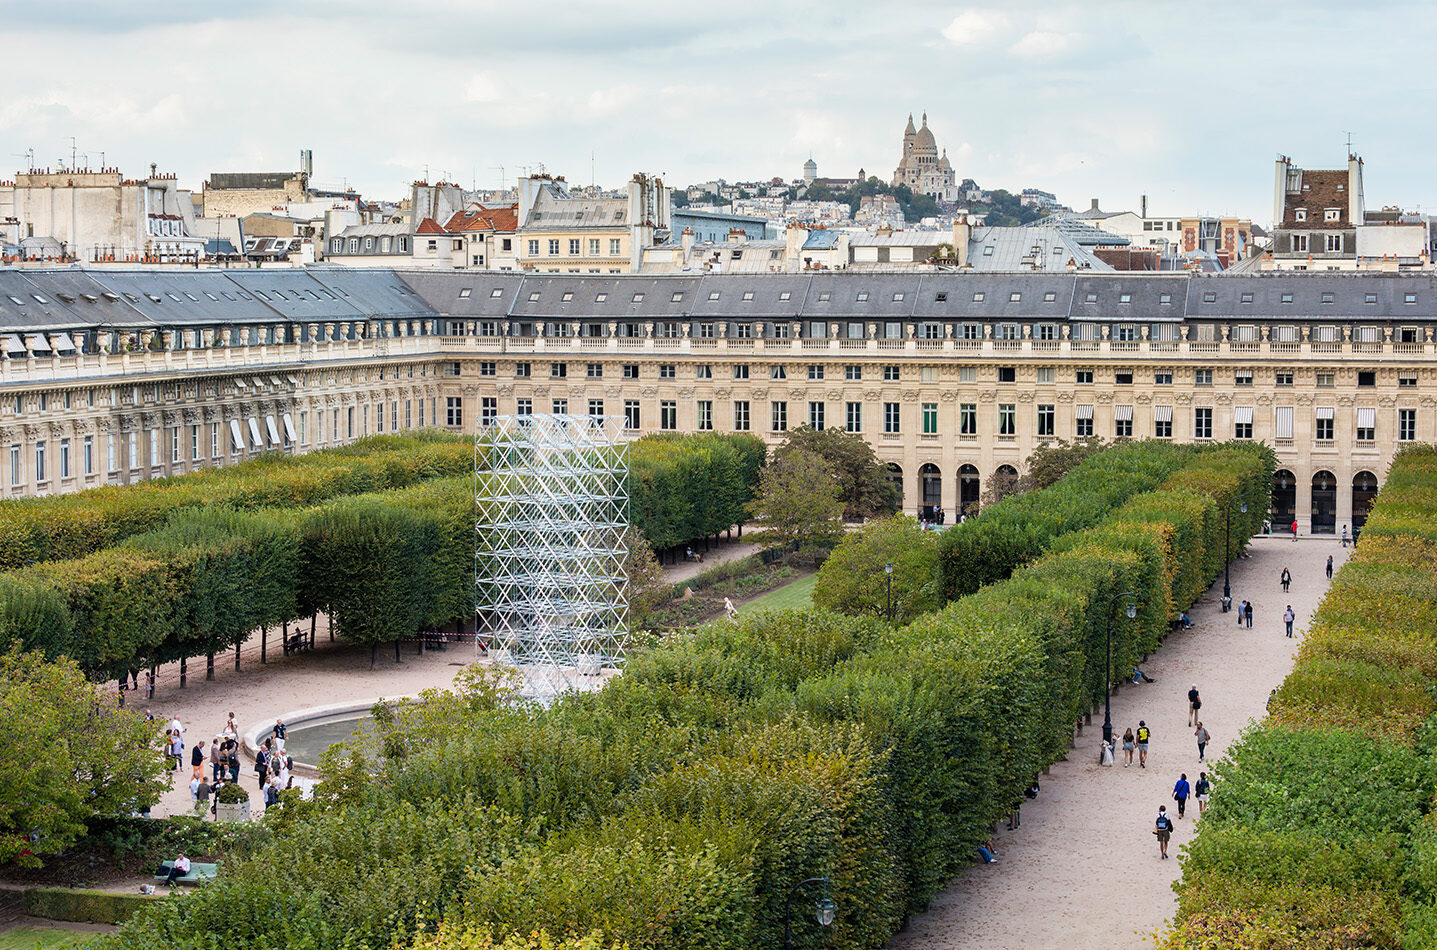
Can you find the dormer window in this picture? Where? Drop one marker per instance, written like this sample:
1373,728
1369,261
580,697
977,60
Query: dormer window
862,296
1300,214
1331,214
600,298
568,295
1247,297
1125,298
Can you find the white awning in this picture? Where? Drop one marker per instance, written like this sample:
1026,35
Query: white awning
1084,412
289,427
241,383
275,380
37,343
1123,413
1283,420
62,342
255,439
1367,418
236,436
273,430
1242,415
13,344
1163,413
1326,412
293,381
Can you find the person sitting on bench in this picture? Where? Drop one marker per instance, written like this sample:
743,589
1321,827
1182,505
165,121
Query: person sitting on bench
179,869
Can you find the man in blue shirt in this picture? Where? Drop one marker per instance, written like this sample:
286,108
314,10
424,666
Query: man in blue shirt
1181,791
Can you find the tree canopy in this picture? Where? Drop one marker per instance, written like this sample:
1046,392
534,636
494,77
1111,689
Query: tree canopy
798,500
863,483
853,580
65,755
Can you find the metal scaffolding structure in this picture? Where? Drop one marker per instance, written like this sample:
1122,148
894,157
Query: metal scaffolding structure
550,546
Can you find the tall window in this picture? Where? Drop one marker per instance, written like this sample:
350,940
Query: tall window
560,407
1202,422
968,418
1123,422
1163,422
40,473
1007,418
596,408
815,415
488,410
14,465
892,413
64,458
930,418
87,451
668,415
854,413
523,407
778,416
631,413
740,416
705,414
1045,420
1366,425
1406,425
454,411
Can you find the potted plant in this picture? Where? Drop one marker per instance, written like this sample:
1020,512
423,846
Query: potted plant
231,803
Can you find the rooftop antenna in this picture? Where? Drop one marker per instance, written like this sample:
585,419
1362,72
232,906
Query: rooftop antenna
591,169
502,177
1349,144
72,153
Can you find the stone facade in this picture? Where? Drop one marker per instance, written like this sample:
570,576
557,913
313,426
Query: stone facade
953,378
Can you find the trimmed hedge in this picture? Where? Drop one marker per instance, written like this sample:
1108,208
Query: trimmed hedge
1321,832
83,905
75,525
1017,529
678,806
683,487
382,565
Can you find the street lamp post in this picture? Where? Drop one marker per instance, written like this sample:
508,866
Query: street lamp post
888,581
1132,611
1227,569
822,908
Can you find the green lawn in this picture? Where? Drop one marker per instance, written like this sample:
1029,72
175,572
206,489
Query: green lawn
797,594
44,938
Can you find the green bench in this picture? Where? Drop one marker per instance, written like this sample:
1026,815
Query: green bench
198,873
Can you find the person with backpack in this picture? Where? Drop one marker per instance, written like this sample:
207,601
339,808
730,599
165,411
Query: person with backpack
1286,579
1144,735
1288,617
1163,828
1194,704
1201,791
1181,791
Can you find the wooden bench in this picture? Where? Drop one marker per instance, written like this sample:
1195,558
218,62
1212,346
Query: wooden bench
199,872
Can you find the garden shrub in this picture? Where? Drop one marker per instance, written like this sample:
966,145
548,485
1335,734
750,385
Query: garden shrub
1320,832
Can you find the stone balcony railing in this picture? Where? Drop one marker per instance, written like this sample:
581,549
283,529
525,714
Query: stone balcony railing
44,369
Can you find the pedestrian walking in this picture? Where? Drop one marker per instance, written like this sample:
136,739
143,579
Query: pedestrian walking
1294,531
1241,608
279,732
1163,828
1287,618
1344,536
216,759
1128,744
1329,567
1144,736
1181,791
1286,579
1202,739
1202,791
1194,704
1247,613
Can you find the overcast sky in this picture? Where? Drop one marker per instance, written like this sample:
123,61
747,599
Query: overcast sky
1187,103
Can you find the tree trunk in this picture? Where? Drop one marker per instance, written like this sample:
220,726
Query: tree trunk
263,644
396,651
237,655
373,654
210,665
311,630
284,638
183,662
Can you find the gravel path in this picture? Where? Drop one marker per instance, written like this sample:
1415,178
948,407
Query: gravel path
1083,870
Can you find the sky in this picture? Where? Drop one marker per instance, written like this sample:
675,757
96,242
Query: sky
1189,104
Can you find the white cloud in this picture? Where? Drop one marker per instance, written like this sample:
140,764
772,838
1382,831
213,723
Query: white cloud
972,26
483,87
1041,44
